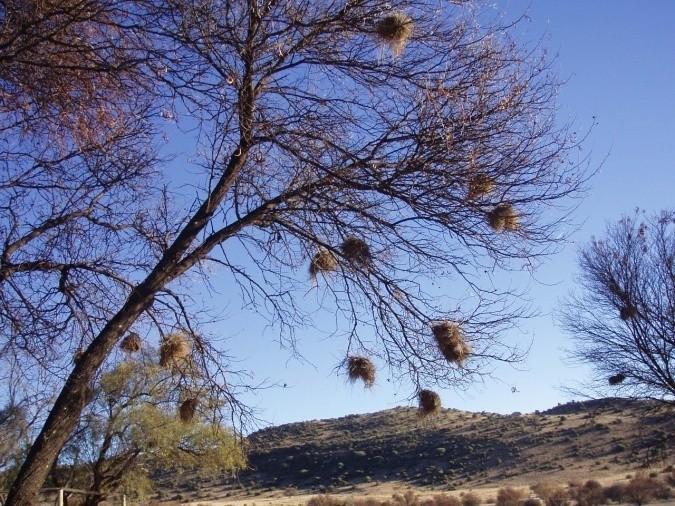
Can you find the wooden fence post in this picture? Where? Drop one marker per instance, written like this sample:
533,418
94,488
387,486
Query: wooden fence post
60,498
124,500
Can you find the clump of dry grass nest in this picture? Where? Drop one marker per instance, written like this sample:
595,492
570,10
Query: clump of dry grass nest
627,312
394,30
616,379
503,217
323,261
187,409
174,348
361,368
356,251
479,186
451,343
131,343
429,403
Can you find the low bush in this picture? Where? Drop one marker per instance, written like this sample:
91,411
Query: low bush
590,493
551,494
615,492
642,489
509,496
531,501
471,499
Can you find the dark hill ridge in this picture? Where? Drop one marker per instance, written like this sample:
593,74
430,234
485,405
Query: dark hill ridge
458,447
455,449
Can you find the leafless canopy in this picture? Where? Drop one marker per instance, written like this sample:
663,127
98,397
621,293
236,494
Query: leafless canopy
623,321
304,133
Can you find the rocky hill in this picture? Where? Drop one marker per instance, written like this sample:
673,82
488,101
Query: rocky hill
455,449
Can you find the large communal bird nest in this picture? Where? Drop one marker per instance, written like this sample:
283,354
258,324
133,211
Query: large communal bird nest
356,251
323,261
616,379
627,312
429,403
361,368
174,348
451,342
480,185
131,343
187,409
503,217
394,30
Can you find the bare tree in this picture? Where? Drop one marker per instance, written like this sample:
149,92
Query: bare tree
381,143
623,321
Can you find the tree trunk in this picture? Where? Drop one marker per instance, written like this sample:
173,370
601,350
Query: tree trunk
75,394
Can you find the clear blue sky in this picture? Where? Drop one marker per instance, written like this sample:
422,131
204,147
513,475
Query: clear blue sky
619,59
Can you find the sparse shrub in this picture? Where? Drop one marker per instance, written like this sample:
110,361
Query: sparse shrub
445,500
531,501
615,492
590,494
509,496
551,494
642,489
471,499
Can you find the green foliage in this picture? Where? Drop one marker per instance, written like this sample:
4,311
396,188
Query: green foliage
128,431
13,442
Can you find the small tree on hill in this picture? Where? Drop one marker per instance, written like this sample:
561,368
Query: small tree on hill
623,321
133,428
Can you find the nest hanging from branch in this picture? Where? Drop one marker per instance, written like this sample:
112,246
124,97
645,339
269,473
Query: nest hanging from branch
186,410
429,403
394,30
451,342
173,349
627,312
503,217
356,251
323,261
361,368
617,379
131,343
480,185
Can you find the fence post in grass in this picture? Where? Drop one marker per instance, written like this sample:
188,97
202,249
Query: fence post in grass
60,497
124,500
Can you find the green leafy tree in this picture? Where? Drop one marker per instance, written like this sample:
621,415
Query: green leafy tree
132,427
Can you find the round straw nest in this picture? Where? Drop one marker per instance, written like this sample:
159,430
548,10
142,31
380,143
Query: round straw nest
323,261
616,379
186,410
174,348
503,217
131,343
429,403
361,368
356,251
627,312
451,342
480,185
394,30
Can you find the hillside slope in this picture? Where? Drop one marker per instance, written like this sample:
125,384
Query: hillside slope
455,449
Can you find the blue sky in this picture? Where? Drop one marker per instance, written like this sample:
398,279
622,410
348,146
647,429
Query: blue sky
619,60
